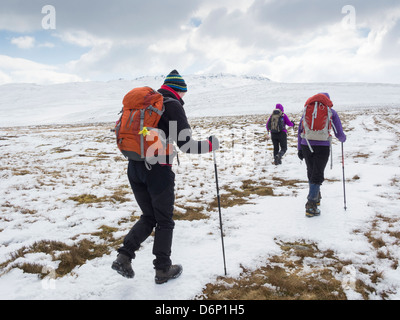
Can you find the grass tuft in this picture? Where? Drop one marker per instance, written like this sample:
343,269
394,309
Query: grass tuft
285,277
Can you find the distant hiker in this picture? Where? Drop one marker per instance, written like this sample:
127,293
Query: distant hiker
153,184
276,124
314,142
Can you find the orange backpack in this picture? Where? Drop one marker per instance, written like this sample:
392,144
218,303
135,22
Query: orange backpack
138,137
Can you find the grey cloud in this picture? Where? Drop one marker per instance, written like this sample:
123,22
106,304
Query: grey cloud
273,24
239,26
308,15
266,22
282,22
268,28
103,18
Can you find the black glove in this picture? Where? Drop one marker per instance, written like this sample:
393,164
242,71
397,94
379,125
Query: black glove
214,143
300,154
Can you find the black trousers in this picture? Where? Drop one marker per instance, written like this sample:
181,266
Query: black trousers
316,162
279,141
154,192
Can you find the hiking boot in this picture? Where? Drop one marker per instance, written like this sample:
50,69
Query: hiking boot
123,266
278,159
173,272
312,209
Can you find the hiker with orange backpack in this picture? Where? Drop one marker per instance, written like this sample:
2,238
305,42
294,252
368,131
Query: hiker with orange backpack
314,142
150,153
277,123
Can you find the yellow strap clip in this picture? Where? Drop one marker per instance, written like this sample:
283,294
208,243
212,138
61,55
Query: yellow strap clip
145,132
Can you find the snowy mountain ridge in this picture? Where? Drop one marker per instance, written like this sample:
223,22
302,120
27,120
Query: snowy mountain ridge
208,95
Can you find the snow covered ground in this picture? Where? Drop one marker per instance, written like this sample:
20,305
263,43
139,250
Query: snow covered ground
46,170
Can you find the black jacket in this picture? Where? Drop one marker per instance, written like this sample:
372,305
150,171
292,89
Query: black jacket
176,127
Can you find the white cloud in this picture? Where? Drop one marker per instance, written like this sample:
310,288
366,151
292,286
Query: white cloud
82,38
287,40
90,62
26,71
283,40
47,45
24,42
4,78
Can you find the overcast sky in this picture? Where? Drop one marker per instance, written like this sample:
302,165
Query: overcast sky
285,40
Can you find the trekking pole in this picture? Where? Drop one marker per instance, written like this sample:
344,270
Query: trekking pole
344,181
331,156
219,209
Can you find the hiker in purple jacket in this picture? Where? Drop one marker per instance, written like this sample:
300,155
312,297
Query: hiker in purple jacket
279,137
316,156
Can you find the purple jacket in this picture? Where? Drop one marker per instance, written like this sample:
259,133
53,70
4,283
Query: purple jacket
286,120
339,134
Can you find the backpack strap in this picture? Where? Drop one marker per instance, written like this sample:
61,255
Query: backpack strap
131,117
152,109
303,120
168,99
330,113
314,115
142,136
